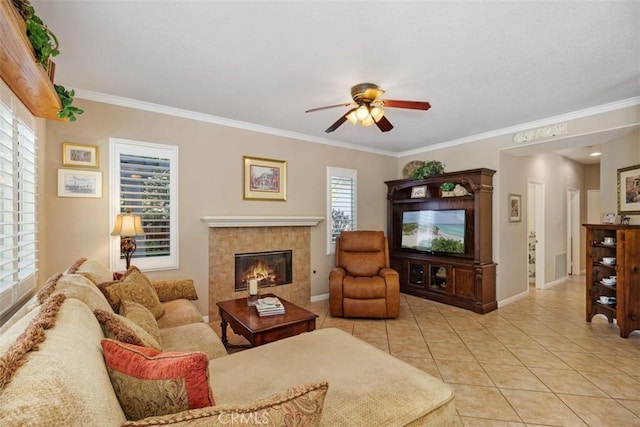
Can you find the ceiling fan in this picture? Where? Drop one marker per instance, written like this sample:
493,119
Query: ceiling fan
367,108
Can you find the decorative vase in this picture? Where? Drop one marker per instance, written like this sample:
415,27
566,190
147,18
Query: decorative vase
448,194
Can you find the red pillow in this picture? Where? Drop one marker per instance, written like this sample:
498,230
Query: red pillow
151,383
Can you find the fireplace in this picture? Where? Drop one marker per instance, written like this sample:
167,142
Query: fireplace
271,268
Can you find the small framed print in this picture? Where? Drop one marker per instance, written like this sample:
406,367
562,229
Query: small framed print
609,218
79,155
79,183
515,207
265,179
418,192
629,190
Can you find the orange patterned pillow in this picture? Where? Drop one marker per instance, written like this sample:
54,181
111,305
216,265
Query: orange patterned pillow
150,383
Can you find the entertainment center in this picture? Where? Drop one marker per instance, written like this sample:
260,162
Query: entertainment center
442,246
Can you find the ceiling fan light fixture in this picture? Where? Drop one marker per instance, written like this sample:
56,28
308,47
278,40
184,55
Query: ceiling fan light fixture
362,113
352,118
377,113
368,121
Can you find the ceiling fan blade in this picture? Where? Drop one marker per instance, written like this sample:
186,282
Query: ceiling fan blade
337,124
329,106
384,124
412,105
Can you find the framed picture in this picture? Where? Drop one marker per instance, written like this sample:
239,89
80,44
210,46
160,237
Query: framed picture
419,191
79,155
79,183
609,218
515,207
265,179
629,190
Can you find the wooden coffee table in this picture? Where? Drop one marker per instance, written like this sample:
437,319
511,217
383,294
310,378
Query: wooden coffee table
244,320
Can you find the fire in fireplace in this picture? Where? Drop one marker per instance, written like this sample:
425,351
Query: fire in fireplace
270,268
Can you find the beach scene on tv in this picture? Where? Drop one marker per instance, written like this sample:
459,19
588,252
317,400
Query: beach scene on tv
435,231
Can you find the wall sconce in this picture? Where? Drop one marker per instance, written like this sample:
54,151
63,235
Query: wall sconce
127,226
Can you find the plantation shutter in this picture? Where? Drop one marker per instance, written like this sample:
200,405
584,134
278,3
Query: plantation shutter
18,219
342,201
145,190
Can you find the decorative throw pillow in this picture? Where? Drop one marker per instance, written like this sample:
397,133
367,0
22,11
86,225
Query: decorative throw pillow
74,286
122,329
92,270
134,286
142,317
149,383
299,406
34,334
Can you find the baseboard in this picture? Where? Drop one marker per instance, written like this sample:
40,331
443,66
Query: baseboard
554,283
322,297
514,298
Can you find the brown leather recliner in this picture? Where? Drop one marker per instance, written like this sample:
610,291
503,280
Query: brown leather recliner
362,284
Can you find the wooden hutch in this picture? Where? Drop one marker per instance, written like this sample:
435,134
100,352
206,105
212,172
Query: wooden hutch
625,308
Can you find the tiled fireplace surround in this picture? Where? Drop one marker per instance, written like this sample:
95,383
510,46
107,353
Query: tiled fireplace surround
254,234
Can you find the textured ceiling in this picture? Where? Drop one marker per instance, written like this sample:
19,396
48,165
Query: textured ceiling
483,65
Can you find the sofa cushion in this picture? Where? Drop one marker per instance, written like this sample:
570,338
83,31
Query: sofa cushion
368,386
92,270
297,406
149,383
142,317
133,286
64,382
179,312
122,329
75,286
193,337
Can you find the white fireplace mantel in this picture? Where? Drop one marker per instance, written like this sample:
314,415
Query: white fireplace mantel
261,221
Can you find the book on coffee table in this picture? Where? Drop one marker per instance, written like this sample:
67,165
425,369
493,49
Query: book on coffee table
269,306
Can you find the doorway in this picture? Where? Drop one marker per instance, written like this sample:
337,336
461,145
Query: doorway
535,231
573,231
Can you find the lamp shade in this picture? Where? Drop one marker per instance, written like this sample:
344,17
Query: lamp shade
128,225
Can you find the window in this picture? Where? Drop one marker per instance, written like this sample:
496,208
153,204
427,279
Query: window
144,180
341,203
18,219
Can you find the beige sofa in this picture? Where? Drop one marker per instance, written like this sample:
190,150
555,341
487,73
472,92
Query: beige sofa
62,378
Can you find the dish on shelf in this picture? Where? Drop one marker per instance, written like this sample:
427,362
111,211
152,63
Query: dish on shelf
607,300
608,243
608,281
608,284
609,260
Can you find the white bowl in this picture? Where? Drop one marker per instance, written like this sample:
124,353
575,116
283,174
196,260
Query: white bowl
608,281
608,260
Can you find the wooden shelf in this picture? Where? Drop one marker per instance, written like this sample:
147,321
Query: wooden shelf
19,68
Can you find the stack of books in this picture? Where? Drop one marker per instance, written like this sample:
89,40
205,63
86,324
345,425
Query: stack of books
269,306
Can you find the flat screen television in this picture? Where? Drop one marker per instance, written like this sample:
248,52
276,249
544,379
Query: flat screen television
440,231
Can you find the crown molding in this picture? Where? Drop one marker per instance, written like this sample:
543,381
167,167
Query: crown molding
216,120
604,108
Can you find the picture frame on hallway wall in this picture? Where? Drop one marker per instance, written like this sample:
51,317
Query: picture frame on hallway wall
515,207
264,179
79,155
79,183
629,190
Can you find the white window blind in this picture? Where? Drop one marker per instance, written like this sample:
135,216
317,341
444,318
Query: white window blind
145,183
341,203
18,219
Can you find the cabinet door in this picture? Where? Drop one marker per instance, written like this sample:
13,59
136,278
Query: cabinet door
464,283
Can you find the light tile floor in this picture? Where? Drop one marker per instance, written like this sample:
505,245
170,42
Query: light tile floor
533,362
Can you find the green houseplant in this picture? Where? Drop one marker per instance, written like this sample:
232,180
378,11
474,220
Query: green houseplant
430,168
45,46
446,188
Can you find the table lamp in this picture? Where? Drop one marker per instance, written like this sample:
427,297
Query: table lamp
127,226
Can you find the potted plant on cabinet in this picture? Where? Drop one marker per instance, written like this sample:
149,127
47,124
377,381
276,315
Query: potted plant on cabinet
446,189
428,169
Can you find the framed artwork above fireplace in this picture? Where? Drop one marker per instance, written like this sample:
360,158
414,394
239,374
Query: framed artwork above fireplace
265,179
